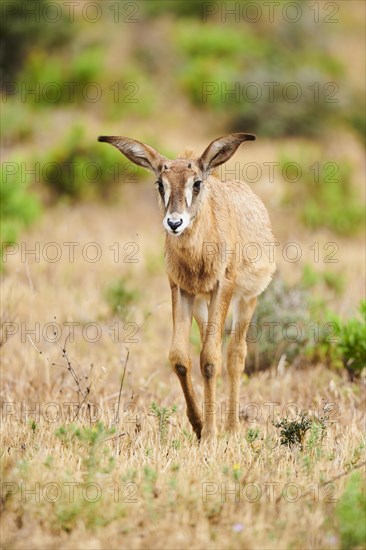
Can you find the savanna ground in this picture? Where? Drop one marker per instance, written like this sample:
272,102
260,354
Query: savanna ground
96,450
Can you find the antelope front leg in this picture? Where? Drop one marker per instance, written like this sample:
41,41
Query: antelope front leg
211,353
182,306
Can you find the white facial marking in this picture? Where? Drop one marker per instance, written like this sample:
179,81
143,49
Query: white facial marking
188,195
166,196
188,191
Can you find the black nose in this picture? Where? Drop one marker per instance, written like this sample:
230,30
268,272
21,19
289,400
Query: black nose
173,224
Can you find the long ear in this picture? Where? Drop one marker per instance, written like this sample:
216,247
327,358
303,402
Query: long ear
221,150
137,152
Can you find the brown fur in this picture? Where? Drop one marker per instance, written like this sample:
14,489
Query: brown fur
222,256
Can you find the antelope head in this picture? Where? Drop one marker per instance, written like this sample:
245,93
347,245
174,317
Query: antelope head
181,183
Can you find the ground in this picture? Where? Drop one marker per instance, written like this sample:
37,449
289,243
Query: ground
153,485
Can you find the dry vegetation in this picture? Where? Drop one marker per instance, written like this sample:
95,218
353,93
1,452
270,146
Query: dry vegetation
112,470
169,475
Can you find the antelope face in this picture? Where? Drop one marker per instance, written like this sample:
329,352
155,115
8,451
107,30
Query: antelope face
180,188
179,181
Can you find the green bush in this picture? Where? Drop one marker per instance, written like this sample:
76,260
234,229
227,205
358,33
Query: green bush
217,59
356,117
342,344
96,463
21,33
162,415
81,168
279,325
174,7
322,195
283,324
17,122
352,345
120,297
48,74
351,513
214,41
132,91
18,206
330,279
89,440
292,432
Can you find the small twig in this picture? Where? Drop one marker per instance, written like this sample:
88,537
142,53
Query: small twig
81,404
83,394
111,438
34,345
120,389
69,366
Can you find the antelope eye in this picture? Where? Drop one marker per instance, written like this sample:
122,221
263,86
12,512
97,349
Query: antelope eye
197,186
160,186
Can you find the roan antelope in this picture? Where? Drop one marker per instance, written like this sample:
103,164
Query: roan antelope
210,226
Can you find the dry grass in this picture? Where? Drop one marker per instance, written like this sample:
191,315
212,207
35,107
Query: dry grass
183,490
156,486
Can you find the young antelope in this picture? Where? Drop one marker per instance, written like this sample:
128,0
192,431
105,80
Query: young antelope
218,251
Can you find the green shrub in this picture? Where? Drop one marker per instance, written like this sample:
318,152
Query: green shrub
214,41
352,345
163,415
292,432
351,512
17,122
330,279
90,440
97,462
174,7
18,206
322,195
216,59
81,78
252,434
48,74
279,325
82,168
20,34
87,66
356,117
342,343
287,321
132,91
120,297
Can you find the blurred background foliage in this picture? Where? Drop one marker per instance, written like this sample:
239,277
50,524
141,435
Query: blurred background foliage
159,67
167,51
